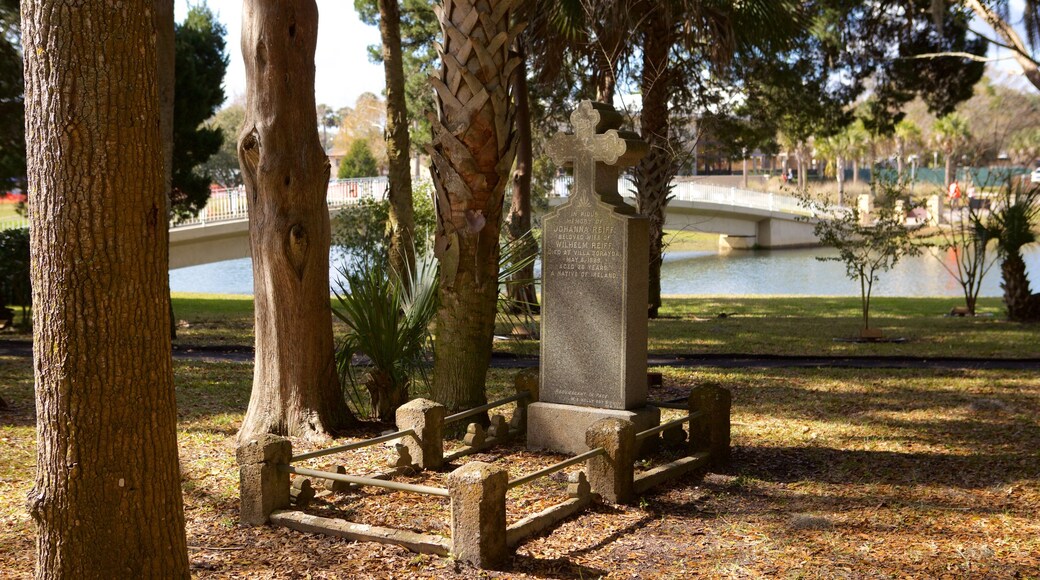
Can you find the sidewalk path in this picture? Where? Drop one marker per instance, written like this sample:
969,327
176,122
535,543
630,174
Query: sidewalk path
506,361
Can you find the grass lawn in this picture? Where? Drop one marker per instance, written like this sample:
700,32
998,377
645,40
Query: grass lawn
719,324
8,209
835,473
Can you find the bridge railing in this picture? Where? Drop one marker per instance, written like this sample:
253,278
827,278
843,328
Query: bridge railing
690,191
230,204
13,222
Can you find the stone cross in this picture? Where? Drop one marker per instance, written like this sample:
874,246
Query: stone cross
597,150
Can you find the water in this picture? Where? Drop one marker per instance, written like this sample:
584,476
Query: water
758,272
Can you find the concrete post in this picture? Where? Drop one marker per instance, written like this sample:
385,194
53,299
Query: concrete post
934,206
478,514
711,432
525,381
865,205
263,488
426,418
611,475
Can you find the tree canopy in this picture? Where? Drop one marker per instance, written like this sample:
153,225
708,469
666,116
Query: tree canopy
201,61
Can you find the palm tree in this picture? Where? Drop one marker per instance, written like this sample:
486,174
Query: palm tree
1012,225
472,151
907,135
950,134
672,34
1024,147
839,147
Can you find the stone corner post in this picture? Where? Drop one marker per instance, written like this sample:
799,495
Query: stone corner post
478,514
525,381
711,431
611,475
263,487
426,418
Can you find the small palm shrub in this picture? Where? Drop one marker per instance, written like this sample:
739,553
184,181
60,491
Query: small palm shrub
387,345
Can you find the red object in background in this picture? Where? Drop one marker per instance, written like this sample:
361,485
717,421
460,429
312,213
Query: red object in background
12,197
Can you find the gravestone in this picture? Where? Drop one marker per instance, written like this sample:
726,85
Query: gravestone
594,290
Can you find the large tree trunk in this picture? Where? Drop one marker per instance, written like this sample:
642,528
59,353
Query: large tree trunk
402,220
522,295
107,496
165,48
653,175
296,390
1022,306
472,151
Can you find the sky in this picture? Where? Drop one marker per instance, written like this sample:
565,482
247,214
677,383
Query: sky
342,68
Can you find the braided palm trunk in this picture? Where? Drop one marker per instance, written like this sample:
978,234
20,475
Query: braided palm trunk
472,150
653,175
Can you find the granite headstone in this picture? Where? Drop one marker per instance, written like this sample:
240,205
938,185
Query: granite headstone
594,290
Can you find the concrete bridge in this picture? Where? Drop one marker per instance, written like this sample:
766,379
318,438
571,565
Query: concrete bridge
221,230
743,218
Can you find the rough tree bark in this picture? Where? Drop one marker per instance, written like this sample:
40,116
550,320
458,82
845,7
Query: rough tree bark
472,150
522,295
653,175
165,48
402,220
107,497
296,390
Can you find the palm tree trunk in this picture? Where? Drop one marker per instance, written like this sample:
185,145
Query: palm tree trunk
402,220
472,150
1022,306
948,174
654,173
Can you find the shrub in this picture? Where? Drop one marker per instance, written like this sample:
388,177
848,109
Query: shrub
15,284
388,317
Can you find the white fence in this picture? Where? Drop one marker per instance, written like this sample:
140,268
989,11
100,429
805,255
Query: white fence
13,222
690,191
230,204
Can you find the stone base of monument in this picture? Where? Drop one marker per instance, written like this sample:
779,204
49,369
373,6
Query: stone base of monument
561,428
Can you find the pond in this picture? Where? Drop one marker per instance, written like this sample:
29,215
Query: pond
758,272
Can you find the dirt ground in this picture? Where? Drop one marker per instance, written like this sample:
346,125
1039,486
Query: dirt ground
836,473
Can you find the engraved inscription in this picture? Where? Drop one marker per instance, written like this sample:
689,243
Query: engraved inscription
586,246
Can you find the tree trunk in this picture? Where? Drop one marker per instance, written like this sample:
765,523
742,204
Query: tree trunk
948,174
165,49
472,151
402,220
107,495
802,171
296,390
522,295
653,175
899,160
1022,306
840,171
